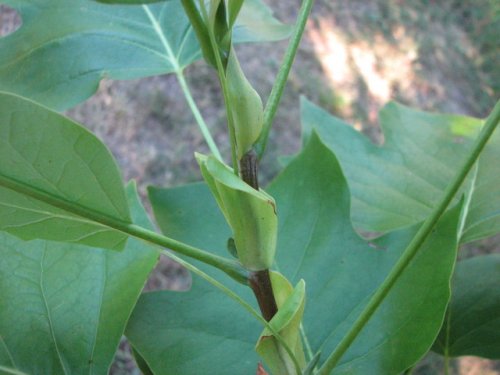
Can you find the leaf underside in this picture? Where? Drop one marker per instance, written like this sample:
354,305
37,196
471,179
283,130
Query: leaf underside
64,306
63,161
399,183
317,243
61,65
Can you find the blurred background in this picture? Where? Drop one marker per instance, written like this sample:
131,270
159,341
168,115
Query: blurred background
435,55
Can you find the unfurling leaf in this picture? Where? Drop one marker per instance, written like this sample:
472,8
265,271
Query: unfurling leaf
286,322
250,213
246,110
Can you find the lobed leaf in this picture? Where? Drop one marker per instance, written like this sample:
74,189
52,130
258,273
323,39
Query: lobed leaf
64,309
44,153
472,325
62,65
399,183
317,243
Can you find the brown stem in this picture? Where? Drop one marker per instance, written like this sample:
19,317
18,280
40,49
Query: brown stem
259,281
248,169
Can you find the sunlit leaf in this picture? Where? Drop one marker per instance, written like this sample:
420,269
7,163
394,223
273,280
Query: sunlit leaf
42,152
64,48
399,183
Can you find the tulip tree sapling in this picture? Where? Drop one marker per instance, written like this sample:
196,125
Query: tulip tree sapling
77,246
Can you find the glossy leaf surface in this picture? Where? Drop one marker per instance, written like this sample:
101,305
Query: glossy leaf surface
317,243
64,307
44,152
398,183
472,325
62,65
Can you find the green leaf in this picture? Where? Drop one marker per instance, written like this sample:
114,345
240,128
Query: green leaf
64,308
286,322
342,271
472,325
398,184
317,243
42,152
246,107
129,2
250,213
233,9
193,332
200,331
61,65
255,23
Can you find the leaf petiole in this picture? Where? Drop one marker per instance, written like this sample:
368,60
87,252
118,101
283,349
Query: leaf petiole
282,77
229,266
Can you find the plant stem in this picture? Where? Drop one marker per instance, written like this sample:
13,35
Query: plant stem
223,83
259,281
284,71
182,81
198,117
414,245
230,267
240,301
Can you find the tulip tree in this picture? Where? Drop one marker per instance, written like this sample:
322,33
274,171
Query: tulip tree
282,281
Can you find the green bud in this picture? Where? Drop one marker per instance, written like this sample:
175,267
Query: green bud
233,9
250,213
291,303
246,107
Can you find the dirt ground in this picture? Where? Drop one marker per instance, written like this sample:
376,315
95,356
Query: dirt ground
356,55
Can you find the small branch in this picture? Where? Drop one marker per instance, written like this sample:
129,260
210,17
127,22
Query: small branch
197,115
412,249
229,266
282,77
259,281
223,83
248,169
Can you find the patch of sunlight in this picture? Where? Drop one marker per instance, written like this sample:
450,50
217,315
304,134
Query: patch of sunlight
367,74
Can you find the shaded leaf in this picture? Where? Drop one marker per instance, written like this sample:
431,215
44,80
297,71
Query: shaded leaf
200,331
44,152
61,65
472,325
342,271
192,332
317,243
64,309
399,183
